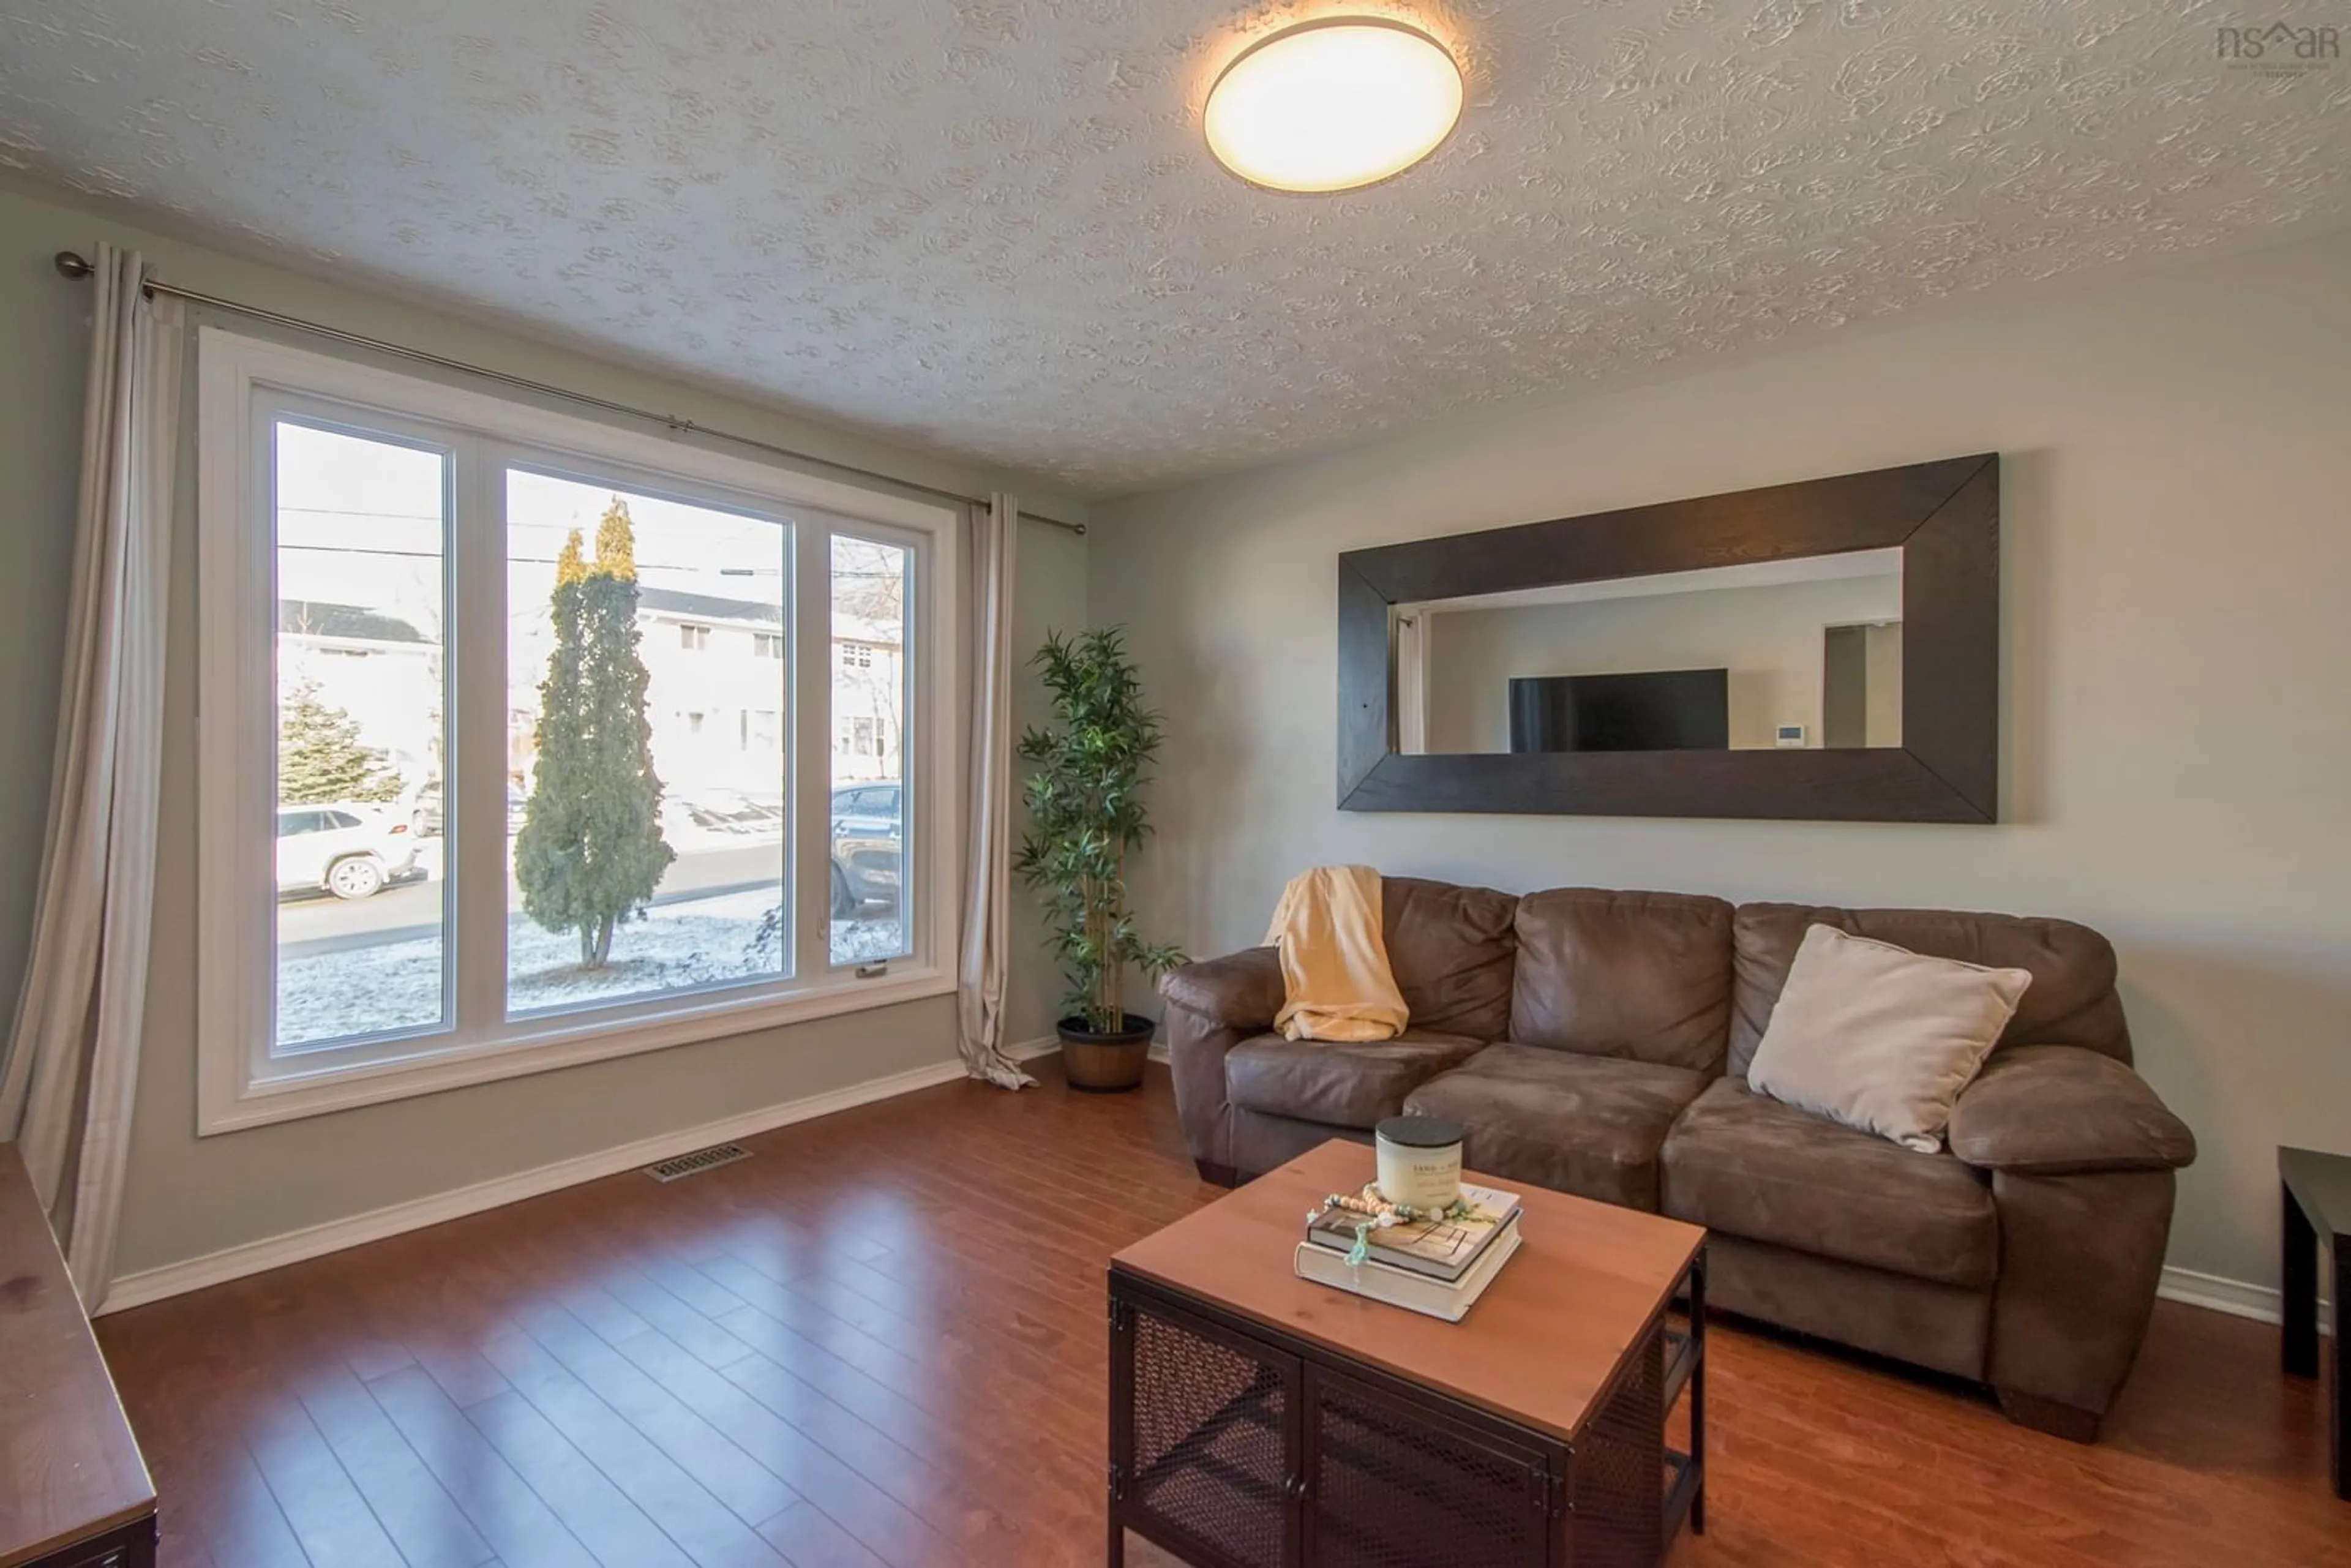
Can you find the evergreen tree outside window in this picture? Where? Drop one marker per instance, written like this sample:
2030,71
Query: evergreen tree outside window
591,851
651,837
320,756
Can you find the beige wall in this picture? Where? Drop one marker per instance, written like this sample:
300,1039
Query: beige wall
1770,638
189,1196
2177,737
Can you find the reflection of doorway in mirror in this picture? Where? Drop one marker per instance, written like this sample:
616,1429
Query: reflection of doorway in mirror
1861,685
1412,682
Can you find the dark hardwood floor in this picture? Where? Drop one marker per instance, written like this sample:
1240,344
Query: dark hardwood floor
882,1341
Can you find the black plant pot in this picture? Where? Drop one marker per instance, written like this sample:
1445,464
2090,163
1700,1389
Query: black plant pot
1105,1064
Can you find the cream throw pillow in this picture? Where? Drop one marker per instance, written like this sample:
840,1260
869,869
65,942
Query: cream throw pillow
1880,1038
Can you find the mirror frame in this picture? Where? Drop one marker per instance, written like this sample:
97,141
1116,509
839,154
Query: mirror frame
1945,516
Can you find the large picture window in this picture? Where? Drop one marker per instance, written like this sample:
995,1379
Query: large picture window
558,740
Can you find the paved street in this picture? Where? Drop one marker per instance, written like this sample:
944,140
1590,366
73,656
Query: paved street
307,927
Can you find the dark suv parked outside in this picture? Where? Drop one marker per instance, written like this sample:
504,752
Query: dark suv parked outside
869,839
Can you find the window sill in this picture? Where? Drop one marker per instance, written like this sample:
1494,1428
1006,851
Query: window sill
294,1089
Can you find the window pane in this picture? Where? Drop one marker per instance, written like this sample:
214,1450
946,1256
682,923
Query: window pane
869,749
363,584
646,746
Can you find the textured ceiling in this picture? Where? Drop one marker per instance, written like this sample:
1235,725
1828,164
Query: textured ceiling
990,226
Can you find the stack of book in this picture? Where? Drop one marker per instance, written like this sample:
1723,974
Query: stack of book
1436,1266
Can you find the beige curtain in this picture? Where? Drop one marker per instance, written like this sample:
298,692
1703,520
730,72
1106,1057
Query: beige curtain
988,853
66,1082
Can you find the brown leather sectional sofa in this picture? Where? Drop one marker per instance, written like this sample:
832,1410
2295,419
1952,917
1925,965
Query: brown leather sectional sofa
1597,1043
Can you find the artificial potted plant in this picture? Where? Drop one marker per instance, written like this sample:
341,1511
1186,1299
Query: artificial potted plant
1086,817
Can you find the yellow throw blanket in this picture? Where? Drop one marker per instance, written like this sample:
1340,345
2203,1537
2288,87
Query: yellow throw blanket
1335,979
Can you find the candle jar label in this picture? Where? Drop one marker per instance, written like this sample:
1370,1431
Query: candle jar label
1420,1178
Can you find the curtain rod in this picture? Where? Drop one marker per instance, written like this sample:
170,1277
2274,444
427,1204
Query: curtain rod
75,267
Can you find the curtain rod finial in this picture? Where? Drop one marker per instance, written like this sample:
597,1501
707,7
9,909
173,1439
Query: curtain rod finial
70,265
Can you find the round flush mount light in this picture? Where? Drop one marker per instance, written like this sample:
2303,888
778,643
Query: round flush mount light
1334,103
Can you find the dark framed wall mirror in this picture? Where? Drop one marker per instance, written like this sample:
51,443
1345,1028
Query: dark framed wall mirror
1828,650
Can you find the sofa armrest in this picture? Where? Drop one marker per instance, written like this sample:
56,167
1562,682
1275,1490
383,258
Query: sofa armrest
1212,1007
2061,1110
1242,990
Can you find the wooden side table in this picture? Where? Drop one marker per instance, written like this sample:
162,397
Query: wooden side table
2315,1207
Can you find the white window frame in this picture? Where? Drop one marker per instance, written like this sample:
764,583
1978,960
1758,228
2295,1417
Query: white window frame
240,1083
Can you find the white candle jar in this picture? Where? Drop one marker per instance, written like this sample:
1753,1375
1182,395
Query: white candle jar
1419,1161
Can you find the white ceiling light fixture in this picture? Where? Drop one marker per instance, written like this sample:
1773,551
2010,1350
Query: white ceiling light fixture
1334,103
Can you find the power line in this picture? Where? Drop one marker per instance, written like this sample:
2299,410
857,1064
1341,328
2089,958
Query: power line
362,512
512,522
551,561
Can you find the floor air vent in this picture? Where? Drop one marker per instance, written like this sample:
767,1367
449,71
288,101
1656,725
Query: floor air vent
708,1159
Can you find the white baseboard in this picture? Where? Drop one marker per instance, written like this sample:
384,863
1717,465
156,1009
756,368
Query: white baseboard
333,1236
2235,1297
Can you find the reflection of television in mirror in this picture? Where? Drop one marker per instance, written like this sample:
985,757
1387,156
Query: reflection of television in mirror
1661,710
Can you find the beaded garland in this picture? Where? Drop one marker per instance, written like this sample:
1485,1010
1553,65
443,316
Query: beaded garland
1376,1212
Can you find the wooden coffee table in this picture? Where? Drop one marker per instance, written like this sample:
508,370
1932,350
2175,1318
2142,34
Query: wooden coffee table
1259,1420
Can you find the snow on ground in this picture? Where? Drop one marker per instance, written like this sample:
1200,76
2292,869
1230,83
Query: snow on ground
397,984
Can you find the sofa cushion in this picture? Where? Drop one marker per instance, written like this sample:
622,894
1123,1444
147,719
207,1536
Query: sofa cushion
1639,975
1338,1083
1587,1124
1262,1143
2070,1001
1741,1162
1450,949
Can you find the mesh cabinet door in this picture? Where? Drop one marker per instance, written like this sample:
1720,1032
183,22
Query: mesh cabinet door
1619,1472
1205,1441
1396,1483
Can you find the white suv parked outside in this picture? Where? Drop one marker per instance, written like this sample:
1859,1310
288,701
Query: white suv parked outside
349,850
